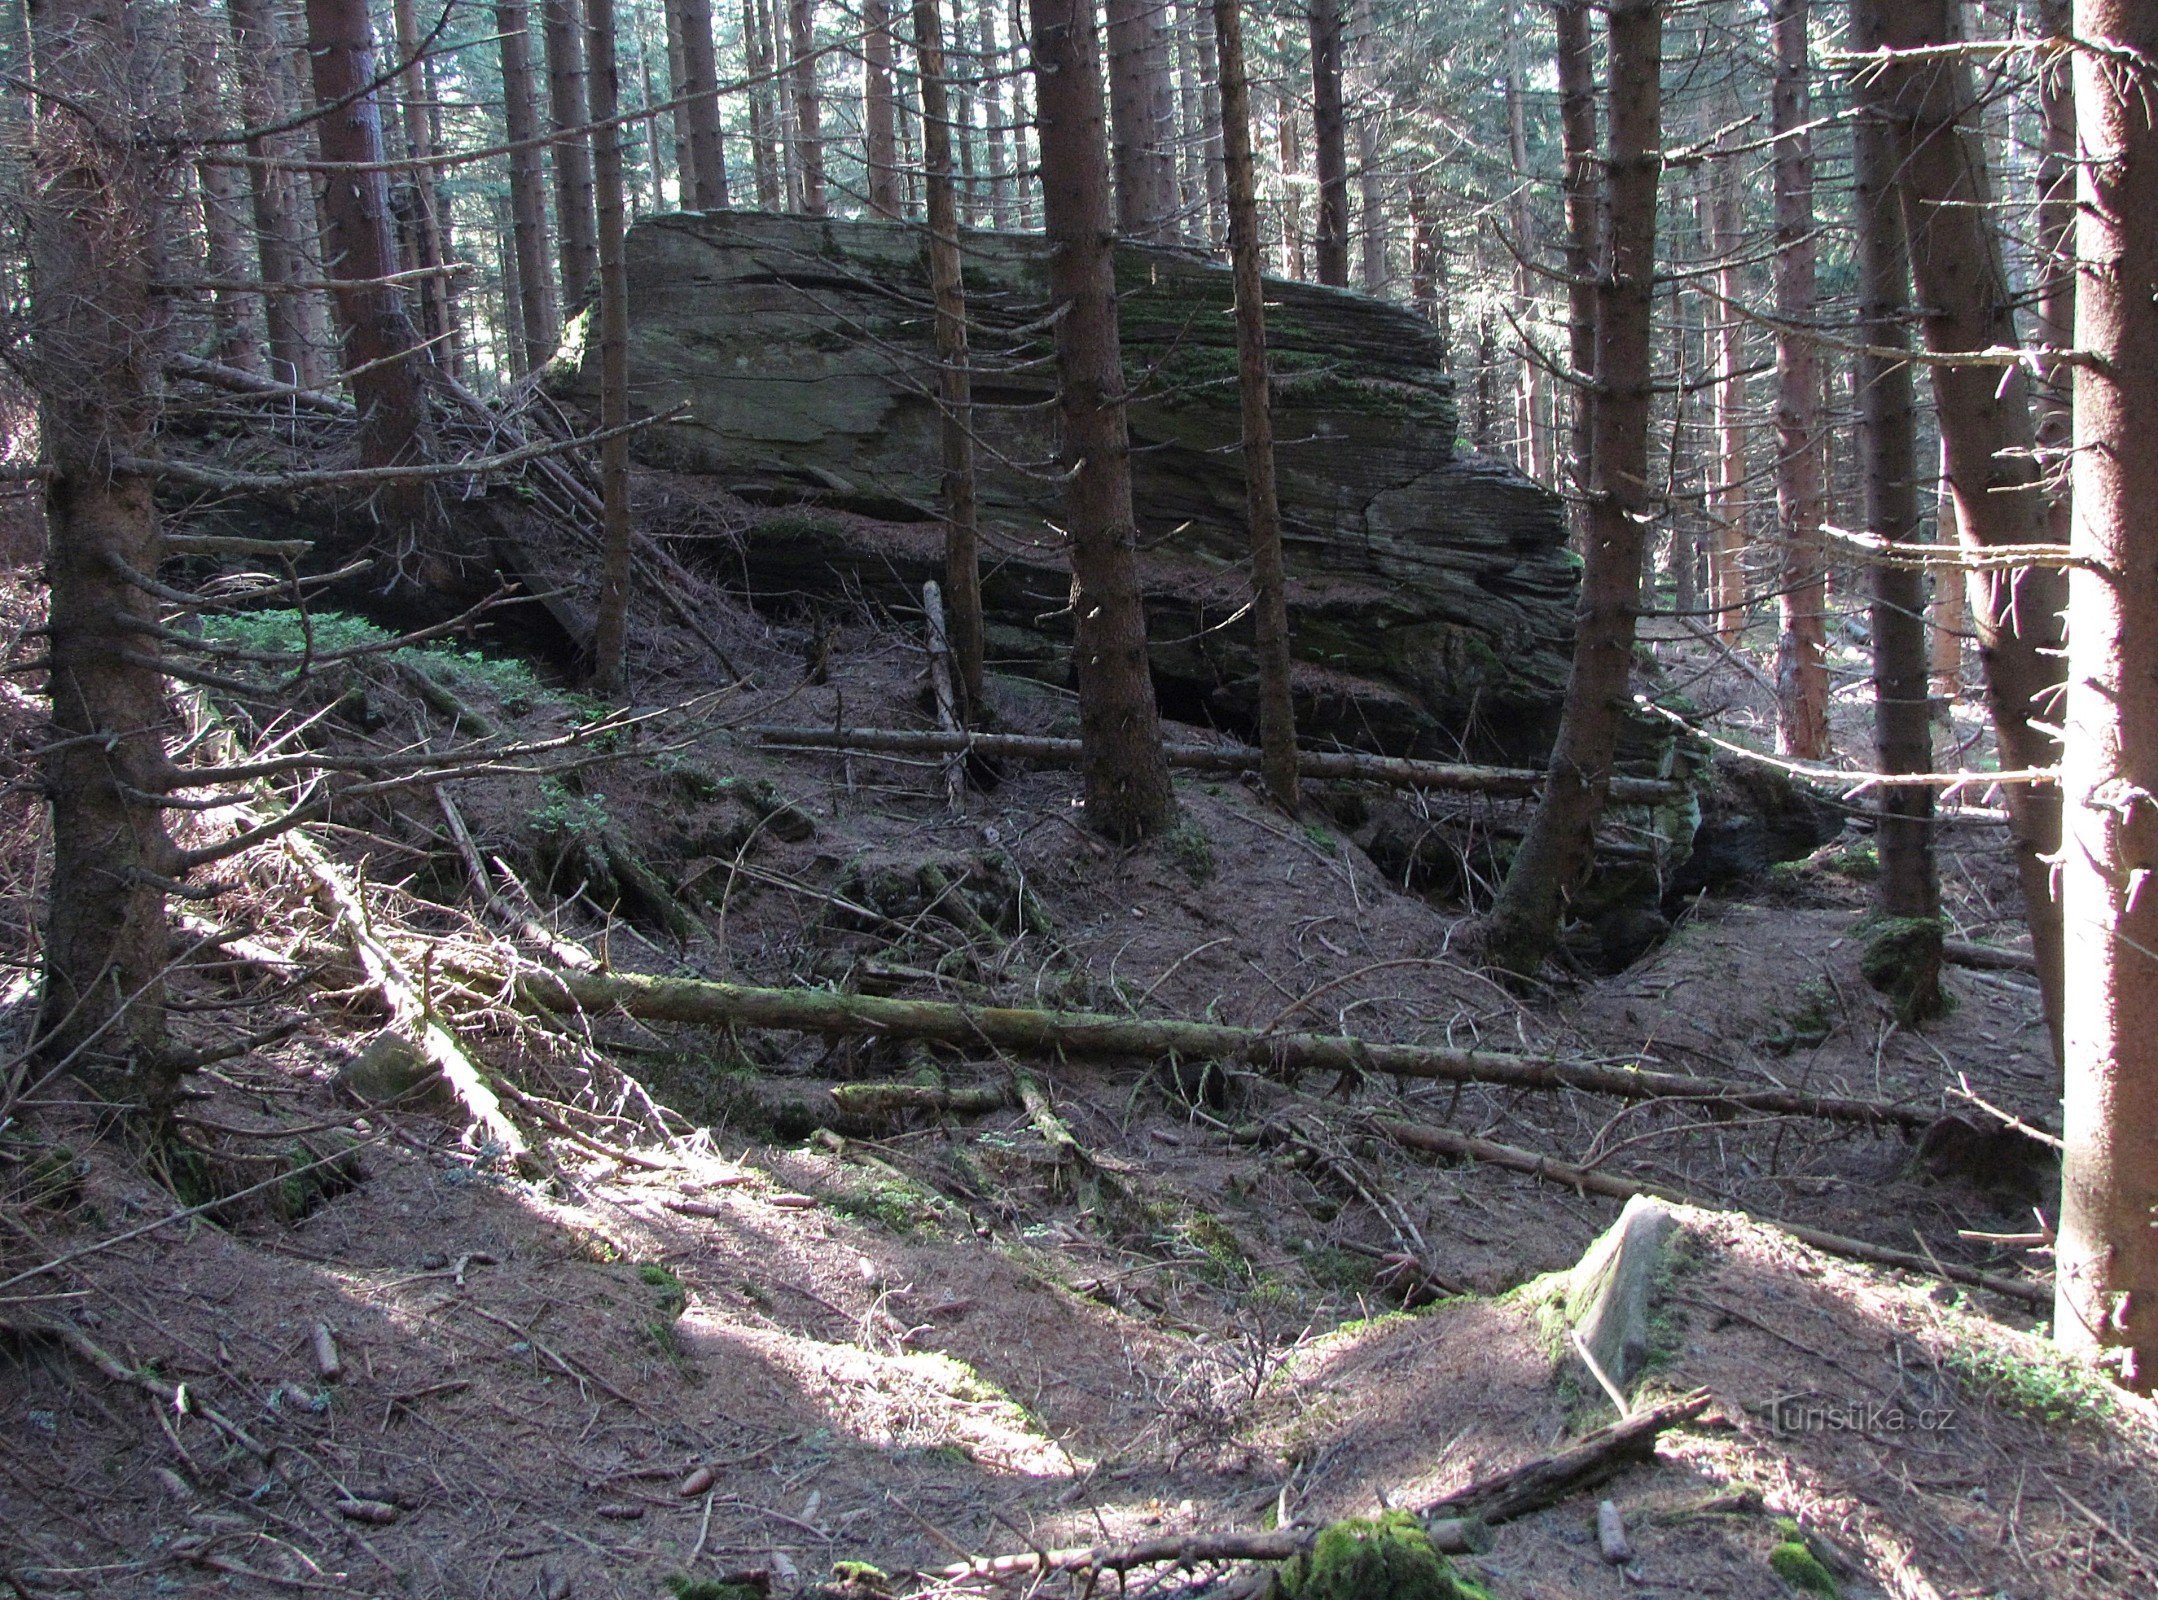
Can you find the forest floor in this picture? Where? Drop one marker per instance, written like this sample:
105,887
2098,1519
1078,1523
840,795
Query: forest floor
908,1344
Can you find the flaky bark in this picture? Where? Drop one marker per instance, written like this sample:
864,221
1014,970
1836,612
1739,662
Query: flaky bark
1802,638
1262,505
1126,778
1330,140
1556,853
609,629
1987,431
569,106
955,398
2107,1255
96,326
539,318
1888,482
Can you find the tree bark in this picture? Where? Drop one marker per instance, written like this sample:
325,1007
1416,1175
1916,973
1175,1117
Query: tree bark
1802,639
569,106
1126,778
1217,181
1949,615
1371,197
97,327
361,248
880,136
2107,1254
1556,853
217,193
763,119
1143,210
280,237
808,115
609,634
1330,139
1987,432
1577,183
994,131
540,319
1528,393
685,157
700,71
1262,506
2054,328
1727,570
438,321
1888,483
955,398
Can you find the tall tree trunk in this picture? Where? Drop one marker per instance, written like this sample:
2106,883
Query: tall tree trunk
2107,1256
763,117
1371,197
605,97
1528,394
685,154
1802,639
1424,265
808,115
994,123
569,106
700,70
1125,773
1330,139
1191,124
955,398
1143,210
218,190
1555,855
514,354
537,314
436,321
97,331
2056,269
1888,484
1217,183
1727,569
362,251
1949,615
960,95
280,231
1577,183
880,138
1262,505
1987,430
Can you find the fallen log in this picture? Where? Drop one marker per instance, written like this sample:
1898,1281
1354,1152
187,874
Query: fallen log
1092,1034
1400,771
1454,1521
875,1100
1587,1180
1987,957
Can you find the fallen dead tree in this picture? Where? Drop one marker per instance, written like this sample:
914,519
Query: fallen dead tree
1396,770
1587,1180
1452,1521
1091,1034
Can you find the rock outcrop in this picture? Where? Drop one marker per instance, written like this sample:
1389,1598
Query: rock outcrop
1431,594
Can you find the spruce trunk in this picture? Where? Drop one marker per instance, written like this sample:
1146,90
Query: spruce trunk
1330,138
609,629
536,305
569,106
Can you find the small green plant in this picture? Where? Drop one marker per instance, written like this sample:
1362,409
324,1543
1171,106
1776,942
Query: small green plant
1187,845
1388,1557
1320,840
2037,1383
566,815
672,1296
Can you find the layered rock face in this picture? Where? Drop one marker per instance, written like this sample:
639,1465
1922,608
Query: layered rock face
1430,592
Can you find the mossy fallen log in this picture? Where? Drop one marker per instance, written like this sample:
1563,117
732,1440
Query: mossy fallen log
1399,771
1050,1034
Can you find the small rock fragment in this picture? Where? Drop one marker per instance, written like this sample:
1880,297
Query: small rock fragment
1611,1535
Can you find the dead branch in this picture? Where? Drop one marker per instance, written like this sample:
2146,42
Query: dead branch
1549,1479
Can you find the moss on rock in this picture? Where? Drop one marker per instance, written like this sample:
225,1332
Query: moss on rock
1389,1557
1902,961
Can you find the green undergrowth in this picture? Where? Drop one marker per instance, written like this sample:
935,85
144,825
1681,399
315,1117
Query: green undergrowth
1387,1557
2038,1383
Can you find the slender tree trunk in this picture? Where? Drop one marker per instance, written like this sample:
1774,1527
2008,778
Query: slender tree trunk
1950,613
880,138
218,190
1802,639
1143,206
685,154
962,559
1330,139
763,118
568,100
1727,567
1528,394
808,115
1125,774
2107,1256
97,330
787,126
516,357
1371,197
700,69
2056,269
436,321
280,240
1424,262
362,250
1888,482
1577,184
1191,125
1022,118
1217,183
1555,855
960,94
994,130
528,197
605,93
1987,430
1262,506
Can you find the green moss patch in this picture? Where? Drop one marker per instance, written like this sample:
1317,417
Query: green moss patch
1388,1557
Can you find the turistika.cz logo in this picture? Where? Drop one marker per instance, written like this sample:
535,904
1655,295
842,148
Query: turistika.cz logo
1811,1413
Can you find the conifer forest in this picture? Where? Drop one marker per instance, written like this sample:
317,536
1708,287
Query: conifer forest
980,800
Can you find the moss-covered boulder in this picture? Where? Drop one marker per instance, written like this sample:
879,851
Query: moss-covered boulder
1387,1557
1431,592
